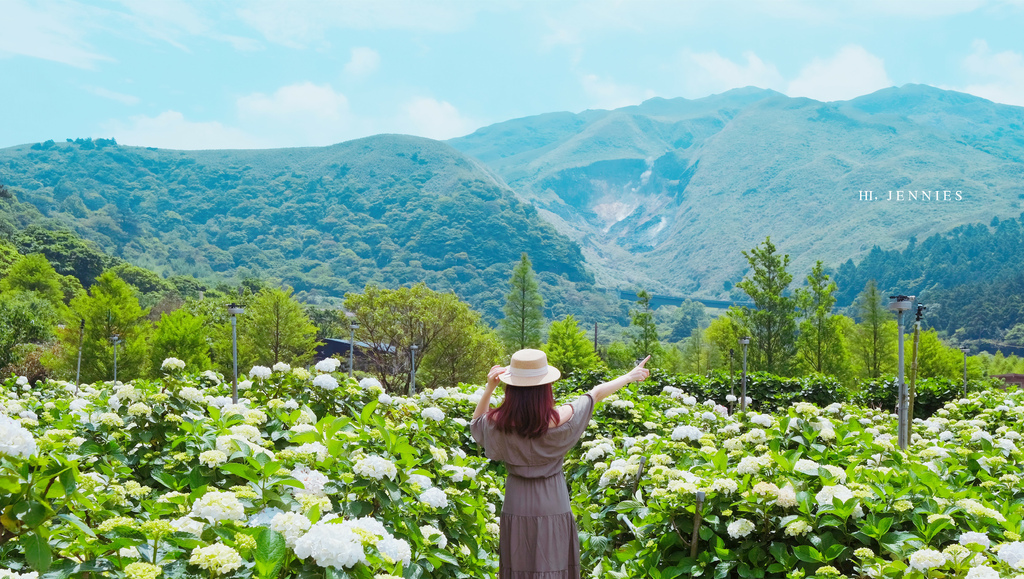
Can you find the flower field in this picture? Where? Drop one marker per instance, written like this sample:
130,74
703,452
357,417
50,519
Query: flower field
315,475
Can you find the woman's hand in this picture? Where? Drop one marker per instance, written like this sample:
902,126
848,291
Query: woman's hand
639,373
492,376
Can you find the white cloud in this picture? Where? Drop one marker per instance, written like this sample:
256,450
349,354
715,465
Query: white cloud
125,99
999,75
170,130
363,61
47,30
427,117
305,99
852,72
606,94
709,72
302,114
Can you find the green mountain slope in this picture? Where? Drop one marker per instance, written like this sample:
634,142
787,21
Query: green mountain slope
667,193
387,209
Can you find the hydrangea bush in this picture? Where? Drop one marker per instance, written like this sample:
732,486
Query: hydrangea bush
312,474
309,474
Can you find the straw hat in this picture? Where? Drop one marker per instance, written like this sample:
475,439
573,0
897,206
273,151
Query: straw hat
529,368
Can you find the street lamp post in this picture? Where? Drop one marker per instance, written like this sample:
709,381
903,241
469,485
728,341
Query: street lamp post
115,339
901,304
965,350
81,338
412,380
234,310
743,391
352,348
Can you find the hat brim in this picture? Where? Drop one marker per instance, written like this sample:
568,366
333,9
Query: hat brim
552,375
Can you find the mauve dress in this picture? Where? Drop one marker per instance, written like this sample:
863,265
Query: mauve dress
539,538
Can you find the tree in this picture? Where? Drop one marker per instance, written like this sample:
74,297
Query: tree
873,341
772,321
524,310
723,333
698,354
25,319
682,320
109,308
184,336
568,348
821,345
274,328
645,333
33,273
453,344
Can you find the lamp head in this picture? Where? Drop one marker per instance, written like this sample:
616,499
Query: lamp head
901,303
235,309
744,340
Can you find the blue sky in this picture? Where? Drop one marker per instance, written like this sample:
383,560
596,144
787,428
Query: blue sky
271,73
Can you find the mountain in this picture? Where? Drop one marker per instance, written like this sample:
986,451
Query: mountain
388,209
666,194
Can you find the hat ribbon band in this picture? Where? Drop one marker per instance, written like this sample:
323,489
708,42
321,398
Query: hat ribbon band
528,372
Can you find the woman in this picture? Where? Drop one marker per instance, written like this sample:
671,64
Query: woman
538,538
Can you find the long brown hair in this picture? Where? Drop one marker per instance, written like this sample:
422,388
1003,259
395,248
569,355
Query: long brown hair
526,411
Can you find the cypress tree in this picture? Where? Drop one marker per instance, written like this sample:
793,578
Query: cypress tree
524,310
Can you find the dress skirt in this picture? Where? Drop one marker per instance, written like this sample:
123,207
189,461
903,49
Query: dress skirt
538,536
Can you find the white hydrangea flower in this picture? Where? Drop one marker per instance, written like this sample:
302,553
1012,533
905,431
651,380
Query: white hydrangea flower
375,467
291,525
429,531
395,550
687,432
260,372
787,497
740,528
211,376
806,466
926,559
421,481
325,381
974,538
21,381
331,545
313,481
213,458
1012,554
281,367
190,394
313,448
370,384
172,364
16,441
434,497
218,559
433,413
384,398
188,525
327,365
218,506
982,572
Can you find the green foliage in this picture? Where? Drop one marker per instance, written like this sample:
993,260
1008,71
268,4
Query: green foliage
644,331
619,355
68,253
274,328
8,255
676,323
142,279
34,274
183,336
25,318
109,308
723,333
873,340
568,347
524,310
931,393
453,343
821,344
772,320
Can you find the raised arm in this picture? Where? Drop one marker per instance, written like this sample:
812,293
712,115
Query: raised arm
602,391
492,383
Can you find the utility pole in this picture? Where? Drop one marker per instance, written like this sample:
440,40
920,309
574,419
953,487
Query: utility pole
901,304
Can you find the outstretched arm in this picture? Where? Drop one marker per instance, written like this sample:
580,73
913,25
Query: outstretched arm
492,383
602,391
